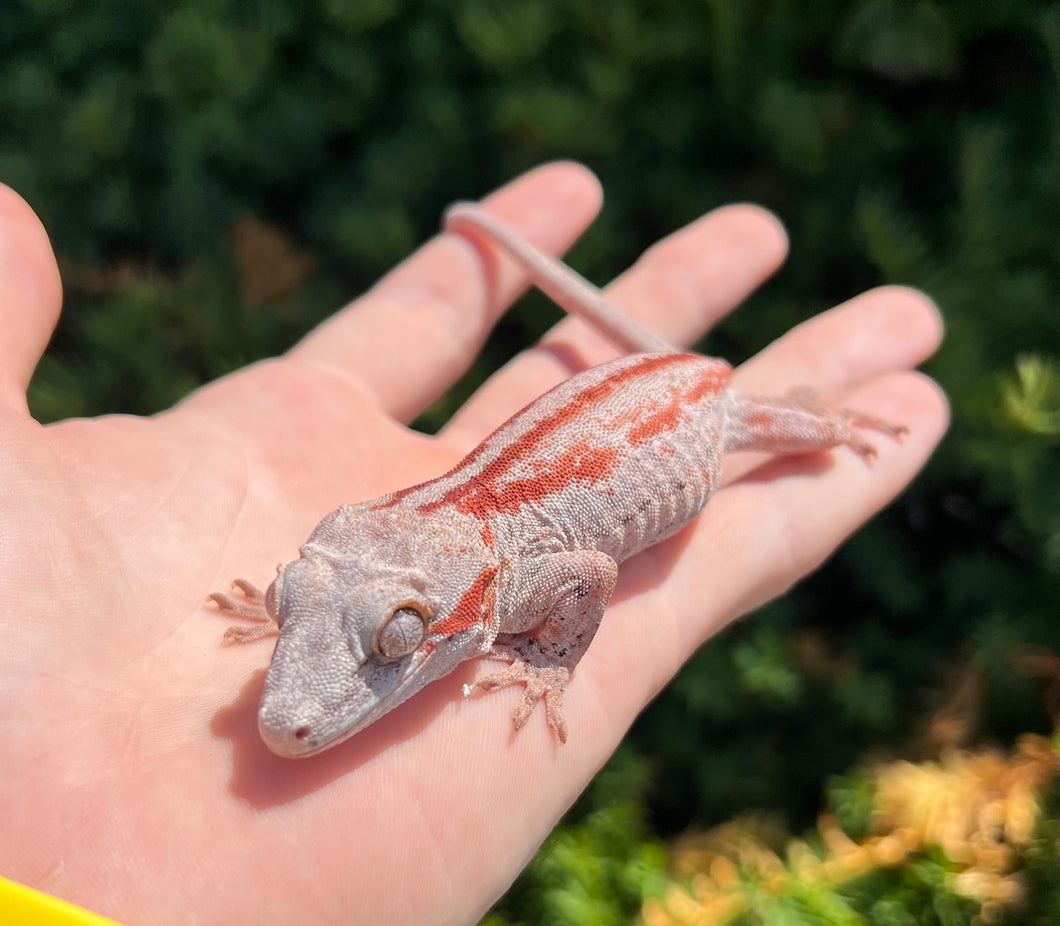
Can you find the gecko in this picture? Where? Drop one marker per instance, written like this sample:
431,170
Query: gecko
514,552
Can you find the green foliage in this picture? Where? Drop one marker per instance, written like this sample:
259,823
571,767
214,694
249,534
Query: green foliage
1042,903
906,142
913,894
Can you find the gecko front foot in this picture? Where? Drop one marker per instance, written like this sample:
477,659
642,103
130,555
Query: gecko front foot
545,682
248,606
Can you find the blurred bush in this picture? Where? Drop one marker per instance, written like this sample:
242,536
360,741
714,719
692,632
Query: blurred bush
218,175
964,839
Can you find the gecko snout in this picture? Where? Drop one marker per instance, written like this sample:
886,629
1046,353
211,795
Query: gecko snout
288,732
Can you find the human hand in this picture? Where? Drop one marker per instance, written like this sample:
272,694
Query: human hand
134,782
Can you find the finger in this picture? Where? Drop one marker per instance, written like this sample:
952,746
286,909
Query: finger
761,535
678,288
417,330
30,295
888,328
884,330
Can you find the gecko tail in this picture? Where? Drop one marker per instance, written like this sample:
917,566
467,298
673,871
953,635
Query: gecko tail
564,286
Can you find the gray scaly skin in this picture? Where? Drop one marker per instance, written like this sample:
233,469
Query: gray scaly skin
512,554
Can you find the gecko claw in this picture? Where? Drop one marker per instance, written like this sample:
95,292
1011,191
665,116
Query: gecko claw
862,448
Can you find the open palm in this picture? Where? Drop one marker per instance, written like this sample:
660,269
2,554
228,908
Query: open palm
133,779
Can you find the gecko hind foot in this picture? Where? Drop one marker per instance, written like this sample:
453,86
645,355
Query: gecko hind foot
874,423
547,683
809,399
857,443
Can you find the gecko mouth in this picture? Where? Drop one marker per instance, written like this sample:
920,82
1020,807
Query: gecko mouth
298,724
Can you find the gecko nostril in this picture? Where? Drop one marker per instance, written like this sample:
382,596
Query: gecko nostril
301,733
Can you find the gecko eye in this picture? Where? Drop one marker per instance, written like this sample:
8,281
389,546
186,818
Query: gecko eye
400,634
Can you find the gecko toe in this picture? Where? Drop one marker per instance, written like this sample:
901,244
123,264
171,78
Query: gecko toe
554,713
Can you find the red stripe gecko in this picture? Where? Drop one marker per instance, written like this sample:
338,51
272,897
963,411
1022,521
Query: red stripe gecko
512,554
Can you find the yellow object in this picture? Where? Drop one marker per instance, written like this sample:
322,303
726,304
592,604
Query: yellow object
23,906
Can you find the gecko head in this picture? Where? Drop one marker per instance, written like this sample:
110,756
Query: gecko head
355,641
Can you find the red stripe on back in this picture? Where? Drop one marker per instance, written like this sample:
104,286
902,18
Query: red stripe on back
480,496
711,383
483,499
